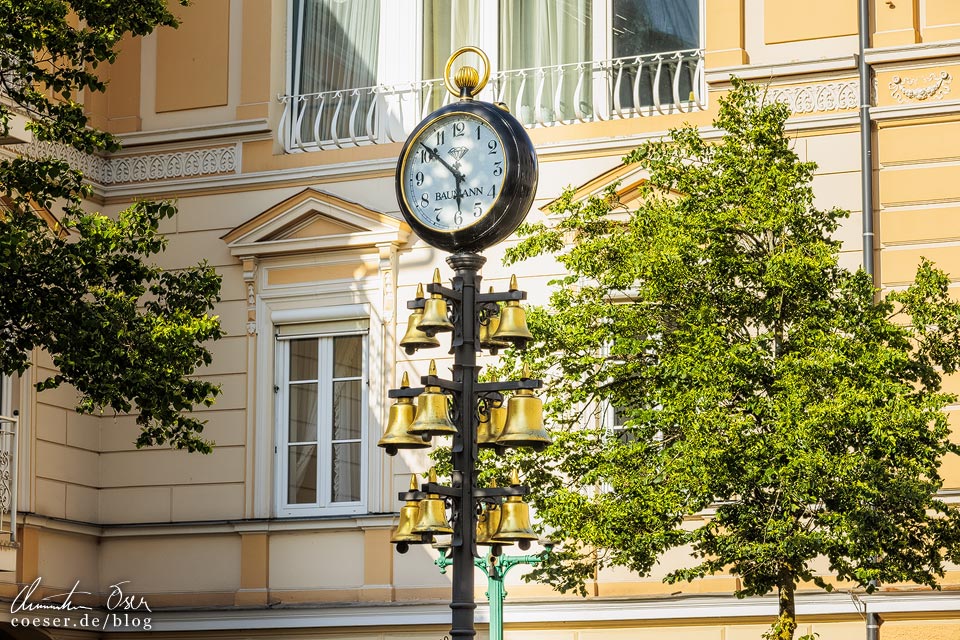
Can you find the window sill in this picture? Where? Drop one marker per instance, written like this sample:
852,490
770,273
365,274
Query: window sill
318,513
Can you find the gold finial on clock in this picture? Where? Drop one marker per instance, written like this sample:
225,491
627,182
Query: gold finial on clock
466,78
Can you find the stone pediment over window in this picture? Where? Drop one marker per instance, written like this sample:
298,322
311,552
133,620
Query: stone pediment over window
628,177
313,221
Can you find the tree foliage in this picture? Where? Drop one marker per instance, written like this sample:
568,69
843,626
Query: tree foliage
764,389
80,285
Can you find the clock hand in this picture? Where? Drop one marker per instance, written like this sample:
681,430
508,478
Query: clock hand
433,153
458,195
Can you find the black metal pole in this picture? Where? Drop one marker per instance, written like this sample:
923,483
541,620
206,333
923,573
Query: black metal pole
465,347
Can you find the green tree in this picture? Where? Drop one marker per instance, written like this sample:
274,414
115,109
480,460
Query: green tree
125,333
763,387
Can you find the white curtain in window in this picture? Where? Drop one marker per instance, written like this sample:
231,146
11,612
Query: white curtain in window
447,26
543,35
338,44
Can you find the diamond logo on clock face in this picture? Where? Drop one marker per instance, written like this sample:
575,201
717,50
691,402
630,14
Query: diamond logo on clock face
454,172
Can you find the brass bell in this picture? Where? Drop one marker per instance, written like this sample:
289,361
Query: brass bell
488,328
433,412
524,424
435,318
433,513
488,523
409,515
513,322
397,435
414,338
492,420
514,519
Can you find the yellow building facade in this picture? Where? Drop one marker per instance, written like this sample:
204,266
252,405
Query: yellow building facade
276,126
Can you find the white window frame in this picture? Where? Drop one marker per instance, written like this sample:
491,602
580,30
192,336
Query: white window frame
323,506
6,395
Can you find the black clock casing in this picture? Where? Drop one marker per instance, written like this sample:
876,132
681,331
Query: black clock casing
516,194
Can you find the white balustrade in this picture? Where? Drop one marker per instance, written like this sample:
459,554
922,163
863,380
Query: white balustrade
631,87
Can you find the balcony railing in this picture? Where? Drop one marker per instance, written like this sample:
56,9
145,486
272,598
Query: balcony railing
622,88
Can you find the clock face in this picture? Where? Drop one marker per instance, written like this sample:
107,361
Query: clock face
453,172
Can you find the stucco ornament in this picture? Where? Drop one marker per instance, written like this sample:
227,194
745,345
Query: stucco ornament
817,98
142,168
936,85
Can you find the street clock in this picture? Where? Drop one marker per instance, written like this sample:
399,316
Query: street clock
467,175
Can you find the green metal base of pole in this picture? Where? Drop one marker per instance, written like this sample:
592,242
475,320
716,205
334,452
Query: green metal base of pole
496,568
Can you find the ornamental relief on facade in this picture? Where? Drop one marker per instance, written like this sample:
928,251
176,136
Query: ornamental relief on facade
817,98
144,168
166,166
930,87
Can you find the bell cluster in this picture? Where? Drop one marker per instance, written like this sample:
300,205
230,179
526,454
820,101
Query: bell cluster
518,424
499,327
488,419
502,519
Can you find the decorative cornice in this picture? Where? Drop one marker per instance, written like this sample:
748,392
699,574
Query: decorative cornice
116,170
179,164
912,53
92,166
720,78
245,129
219,168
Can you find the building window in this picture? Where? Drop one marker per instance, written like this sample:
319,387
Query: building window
564,38
551,47
366,71
335,47
323,423
447,26
647,27
642,27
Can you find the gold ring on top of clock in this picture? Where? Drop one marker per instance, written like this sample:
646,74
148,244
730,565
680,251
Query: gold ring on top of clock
483,78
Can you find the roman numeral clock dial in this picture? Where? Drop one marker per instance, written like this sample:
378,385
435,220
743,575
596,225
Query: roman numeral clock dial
467,175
